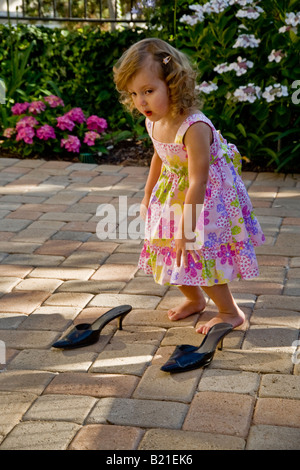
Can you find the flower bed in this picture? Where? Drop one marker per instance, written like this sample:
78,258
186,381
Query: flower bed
44,127
246,53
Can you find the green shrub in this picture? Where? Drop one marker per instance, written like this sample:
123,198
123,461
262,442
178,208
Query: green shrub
246,107
258,110
75,65
252,95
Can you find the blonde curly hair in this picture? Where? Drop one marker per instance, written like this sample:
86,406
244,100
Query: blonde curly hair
173,67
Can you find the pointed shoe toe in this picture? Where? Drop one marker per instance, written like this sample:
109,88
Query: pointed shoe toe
188,361
85,334
187,357
174,362
81,335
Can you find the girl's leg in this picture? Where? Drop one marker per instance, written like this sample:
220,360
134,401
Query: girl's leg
229,312
195,302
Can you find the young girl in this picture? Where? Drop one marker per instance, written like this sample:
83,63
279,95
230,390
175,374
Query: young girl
200,228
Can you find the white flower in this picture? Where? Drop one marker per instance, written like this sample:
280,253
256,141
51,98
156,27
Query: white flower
291,22
221,68
276,55
197,8
191,20
207,88
218,6
284,29
240,67
292,19
273,91
246,40
242,26
243,3
213,6
250,12
247,93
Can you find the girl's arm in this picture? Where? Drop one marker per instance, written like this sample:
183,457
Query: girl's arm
197,141
154,172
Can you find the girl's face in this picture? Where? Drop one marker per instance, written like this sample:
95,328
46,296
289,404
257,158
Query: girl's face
150,93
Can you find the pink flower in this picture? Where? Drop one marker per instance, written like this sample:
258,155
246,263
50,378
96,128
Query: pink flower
169,256
54,101
19,108
9,132
27,121
64,123
76,115
90,137
166,228
226,254
72,143
36,107
26,134
46,132
193,266
94,123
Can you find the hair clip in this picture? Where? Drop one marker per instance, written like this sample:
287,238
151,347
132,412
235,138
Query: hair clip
167,59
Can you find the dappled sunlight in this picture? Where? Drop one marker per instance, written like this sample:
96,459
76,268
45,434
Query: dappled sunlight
113,362
123,368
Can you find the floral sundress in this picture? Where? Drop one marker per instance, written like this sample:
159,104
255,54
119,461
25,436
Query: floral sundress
226,230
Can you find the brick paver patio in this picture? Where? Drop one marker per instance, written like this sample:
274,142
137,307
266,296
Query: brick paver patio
112,395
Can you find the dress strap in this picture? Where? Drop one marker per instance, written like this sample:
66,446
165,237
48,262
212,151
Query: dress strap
190,120
149,127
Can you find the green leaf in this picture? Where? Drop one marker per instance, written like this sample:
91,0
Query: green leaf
271,152
242,129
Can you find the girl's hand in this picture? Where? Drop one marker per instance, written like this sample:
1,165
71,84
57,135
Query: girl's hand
183,246
144,207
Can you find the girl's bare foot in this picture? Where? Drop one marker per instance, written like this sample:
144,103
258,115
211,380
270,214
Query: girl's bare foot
187,308
236,319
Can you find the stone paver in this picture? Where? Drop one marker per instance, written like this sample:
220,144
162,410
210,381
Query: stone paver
60,408
52,360
158,385
220,413
22,302
63,273
266,437
229,381
25,381
113,300
141,413
106,437
96,385
21,339
13,405
156,439
41,435
47,285
282,386
122,358
277,412
43,317
112,395
72,299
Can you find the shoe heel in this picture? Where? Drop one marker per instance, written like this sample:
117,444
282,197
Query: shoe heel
120,321
220,346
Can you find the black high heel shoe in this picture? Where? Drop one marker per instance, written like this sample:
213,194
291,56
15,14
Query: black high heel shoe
85,334
188,357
